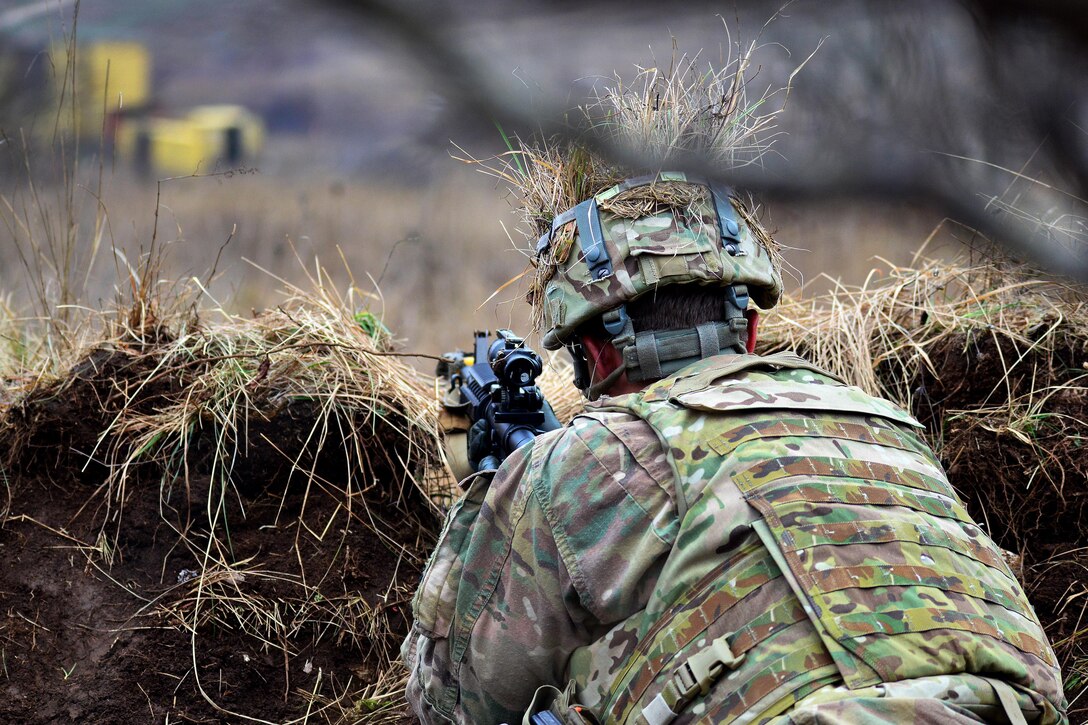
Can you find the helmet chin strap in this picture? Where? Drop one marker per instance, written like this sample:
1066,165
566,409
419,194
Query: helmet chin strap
583,375
598,388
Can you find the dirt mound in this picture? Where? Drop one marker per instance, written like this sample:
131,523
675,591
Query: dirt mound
1025,472
96,644
994,362
215,524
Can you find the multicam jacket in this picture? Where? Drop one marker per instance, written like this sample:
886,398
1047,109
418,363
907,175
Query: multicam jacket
756,505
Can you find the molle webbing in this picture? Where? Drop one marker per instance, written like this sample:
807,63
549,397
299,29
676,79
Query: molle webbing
907,604
897,580
775,637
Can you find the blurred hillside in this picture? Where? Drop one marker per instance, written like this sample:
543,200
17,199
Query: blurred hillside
357,155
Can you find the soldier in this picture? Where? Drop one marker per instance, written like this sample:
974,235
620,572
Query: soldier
721,536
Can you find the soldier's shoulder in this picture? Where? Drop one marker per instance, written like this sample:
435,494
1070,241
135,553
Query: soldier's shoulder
597,431
596,446
604,467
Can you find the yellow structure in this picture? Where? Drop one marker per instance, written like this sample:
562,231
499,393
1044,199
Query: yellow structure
111,78
208,139
112,99
116,74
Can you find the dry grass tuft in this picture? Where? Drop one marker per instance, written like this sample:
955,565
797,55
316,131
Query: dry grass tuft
375,701
880,335
12,349
556,382
312,349
691,107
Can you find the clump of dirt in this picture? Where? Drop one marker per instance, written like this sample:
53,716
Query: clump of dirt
59,424
214,527
88,642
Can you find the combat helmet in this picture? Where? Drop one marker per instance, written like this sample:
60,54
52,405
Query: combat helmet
642,234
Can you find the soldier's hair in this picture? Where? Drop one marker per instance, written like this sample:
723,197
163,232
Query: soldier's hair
674,307
677,307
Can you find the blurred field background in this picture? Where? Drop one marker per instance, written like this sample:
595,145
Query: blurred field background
432,256
356,165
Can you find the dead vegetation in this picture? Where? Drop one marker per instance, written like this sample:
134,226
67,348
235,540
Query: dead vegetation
246,494
687,104
993,359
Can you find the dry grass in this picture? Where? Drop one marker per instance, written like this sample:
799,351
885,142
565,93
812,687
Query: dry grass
313,347
405,241
879,334
691,106
12,346
375,701
695,105
557,385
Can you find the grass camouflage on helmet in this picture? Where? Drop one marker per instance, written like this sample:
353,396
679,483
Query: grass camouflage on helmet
622,238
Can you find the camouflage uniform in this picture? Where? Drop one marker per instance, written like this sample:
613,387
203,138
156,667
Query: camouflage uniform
750,504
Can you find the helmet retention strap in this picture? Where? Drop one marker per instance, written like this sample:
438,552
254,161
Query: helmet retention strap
583,375
651,355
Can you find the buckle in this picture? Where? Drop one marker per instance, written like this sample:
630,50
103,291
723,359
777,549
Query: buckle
702,669
615,320
689,683
737,295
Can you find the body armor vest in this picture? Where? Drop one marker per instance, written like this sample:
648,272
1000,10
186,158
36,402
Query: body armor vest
850,559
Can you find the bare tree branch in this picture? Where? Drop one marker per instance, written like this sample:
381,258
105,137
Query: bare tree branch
880,164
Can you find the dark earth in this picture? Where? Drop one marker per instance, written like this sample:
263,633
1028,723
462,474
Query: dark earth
86,640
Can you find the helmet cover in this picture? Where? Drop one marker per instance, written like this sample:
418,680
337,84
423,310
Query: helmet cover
641,234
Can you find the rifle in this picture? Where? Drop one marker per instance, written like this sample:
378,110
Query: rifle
497,385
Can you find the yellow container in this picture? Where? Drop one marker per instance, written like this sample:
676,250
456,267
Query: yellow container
116,76
207,140
231,133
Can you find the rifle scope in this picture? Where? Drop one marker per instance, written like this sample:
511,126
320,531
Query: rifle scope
500,386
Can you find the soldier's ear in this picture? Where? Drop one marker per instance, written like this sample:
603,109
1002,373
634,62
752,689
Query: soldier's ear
752,315
601,356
